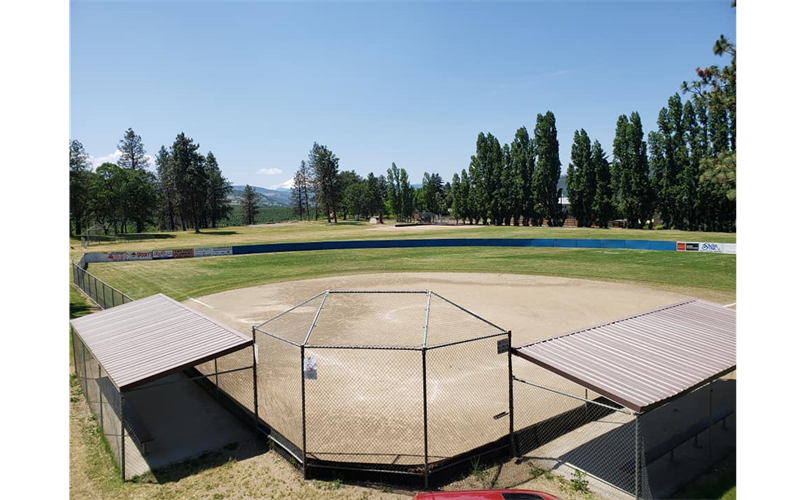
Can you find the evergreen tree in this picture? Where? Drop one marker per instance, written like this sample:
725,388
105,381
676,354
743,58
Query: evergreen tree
218,192
325,165
297,196
190,177
132,152
167,210
248,205
547,172
80,179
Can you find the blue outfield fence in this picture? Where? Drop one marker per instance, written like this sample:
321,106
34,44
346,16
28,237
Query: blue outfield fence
455,242
667,246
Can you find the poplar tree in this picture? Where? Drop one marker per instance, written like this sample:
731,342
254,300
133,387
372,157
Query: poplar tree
602,209
581,179
547,172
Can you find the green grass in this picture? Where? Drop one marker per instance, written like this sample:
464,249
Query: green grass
79,306
181,279
321,231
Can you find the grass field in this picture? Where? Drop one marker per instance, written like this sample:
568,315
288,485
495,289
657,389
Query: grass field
92,471
708,276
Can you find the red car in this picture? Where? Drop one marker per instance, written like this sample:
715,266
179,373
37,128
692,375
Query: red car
485,495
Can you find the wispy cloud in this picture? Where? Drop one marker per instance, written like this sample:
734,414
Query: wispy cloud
554,73
113,157
269,171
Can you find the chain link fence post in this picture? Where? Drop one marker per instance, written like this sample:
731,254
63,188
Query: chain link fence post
425,412
304,423
254,380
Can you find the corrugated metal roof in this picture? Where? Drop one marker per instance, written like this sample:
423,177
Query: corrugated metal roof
645,360
142,340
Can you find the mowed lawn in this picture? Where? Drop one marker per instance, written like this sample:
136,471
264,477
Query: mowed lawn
703,275
320,231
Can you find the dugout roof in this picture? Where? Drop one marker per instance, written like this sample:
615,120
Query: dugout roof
142,340
646,360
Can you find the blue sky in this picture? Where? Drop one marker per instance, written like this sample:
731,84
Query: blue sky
258,82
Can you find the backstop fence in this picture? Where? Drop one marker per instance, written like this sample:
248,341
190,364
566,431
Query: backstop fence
401,383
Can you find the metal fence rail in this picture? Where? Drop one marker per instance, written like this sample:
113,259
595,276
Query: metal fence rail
100,293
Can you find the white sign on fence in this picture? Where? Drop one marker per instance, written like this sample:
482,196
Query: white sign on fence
213,251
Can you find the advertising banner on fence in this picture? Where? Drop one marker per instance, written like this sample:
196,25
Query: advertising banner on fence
710,247
162,254
688,246
213,251
96,257
184,253
123,256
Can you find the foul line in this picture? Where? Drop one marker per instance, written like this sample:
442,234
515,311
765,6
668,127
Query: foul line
200,302
729,305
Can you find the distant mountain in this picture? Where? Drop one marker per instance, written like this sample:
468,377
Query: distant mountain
285,186
266,197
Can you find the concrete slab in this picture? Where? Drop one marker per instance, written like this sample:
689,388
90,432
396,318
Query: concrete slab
185,422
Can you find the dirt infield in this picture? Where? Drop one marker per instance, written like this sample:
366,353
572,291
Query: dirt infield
363,397
532,307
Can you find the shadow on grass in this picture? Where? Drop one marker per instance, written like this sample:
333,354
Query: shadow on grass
218,233
79,305
226,456
717,483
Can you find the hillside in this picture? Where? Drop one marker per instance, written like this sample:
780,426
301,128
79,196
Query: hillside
266,197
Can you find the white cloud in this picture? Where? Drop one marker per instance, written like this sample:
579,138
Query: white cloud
112,157
97,161
269,171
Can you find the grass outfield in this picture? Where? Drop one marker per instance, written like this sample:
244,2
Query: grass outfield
707,276
321,231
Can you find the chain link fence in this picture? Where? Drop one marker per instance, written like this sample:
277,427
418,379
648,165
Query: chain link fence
403,383
99,292
592,444
125,418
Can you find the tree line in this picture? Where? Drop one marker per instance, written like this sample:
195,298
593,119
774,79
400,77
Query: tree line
187,190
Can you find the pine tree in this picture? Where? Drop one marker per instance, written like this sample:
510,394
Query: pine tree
325,165
132,152
166,187
190,177
80,179
248,205
218,192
